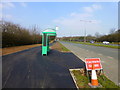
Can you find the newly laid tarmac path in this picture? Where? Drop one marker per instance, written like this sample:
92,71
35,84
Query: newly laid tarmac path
29,69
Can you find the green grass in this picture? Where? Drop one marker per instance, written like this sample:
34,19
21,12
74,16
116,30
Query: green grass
106,83
82,81
101,45
64,48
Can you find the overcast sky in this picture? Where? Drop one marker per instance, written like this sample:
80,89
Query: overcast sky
71,17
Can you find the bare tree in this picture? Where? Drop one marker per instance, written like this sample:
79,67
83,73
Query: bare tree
112,30
14,35
97,35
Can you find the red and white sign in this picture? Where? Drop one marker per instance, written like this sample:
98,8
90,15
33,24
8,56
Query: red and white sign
93,61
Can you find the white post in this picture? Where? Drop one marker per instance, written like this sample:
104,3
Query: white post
56,28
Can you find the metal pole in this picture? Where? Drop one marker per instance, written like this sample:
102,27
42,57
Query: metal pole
85,33
85,22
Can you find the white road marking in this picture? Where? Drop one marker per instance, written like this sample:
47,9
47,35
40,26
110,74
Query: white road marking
110,57
28,76
86,50
102,61
100,54
29,71
7,78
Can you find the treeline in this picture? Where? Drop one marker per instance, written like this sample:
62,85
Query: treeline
78,38
112,37
15,35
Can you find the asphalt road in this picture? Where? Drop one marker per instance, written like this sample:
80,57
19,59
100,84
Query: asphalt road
108,56
29,69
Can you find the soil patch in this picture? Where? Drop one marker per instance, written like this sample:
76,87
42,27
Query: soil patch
9,50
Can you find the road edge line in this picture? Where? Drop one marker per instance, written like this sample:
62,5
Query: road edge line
74,53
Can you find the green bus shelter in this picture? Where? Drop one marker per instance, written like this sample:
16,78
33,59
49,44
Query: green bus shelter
45,40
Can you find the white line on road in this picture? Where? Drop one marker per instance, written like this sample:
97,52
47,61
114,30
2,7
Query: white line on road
100,54
28,76
102,61
29,71
7,78
110,57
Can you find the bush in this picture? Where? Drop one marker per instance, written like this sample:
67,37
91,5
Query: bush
15,35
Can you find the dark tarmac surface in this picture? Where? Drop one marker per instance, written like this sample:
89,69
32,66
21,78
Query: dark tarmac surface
29,69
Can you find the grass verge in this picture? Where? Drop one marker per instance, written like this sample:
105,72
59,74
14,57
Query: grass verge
101,45
82,80
58,46
10,50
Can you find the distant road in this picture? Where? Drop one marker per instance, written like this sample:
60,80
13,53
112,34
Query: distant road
109,57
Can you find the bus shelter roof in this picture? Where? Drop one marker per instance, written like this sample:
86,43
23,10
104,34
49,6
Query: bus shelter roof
49,31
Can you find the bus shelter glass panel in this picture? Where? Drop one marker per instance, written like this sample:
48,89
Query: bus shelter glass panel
45,39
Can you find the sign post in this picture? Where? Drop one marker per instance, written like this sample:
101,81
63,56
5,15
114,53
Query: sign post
89,62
